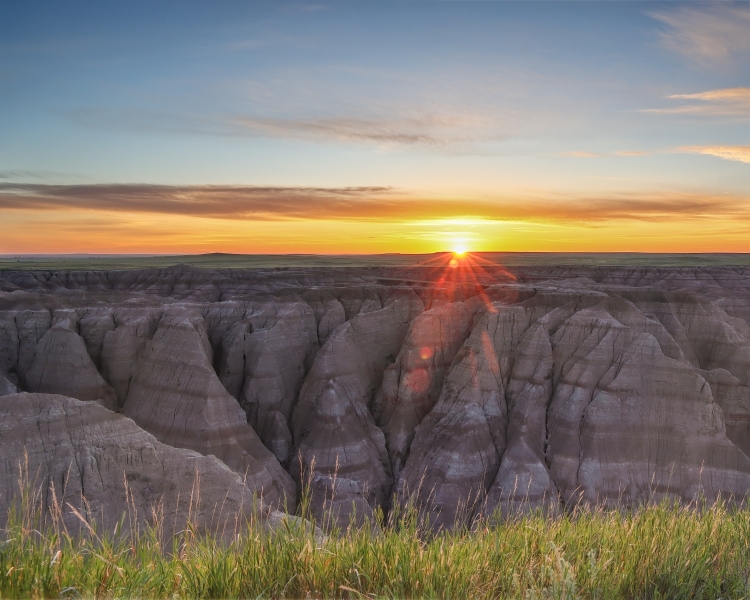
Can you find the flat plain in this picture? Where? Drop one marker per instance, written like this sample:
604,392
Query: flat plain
218,260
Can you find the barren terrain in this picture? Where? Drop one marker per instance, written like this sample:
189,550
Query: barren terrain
463,385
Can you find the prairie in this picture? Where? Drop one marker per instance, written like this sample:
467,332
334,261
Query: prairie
219,260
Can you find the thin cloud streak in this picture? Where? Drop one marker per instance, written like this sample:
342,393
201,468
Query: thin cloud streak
734,153
739,95
707,36
436,130
382,204
723,102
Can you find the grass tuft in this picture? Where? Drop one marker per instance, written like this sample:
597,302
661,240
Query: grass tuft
663,551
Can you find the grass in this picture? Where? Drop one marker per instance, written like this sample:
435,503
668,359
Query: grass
663,551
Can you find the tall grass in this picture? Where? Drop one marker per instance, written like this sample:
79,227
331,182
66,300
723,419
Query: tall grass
663,551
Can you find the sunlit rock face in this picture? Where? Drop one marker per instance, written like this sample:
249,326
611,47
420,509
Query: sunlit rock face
471,390
339,448
411,385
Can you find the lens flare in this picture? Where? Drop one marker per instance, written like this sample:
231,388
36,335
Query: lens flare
451,277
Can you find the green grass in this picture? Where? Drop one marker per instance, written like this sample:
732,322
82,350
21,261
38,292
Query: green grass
657,552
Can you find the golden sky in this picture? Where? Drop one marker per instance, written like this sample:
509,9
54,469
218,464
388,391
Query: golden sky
371,127
246,220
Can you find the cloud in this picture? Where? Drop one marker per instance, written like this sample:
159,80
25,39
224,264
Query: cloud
384,204
723,102
740,95
709,35
631,153
431,130
436,130
735,153
235,202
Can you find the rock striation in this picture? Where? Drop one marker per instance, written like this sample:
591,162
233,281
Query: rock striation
411,384
176,395
470,393
83,462
62,364
340,450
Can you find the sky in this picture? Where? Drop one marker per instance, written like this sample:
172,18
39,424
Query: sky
374,126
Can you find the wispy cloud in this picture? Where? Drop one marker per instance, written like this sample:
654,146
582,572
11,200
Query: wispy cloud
722,102
709,35
364,203
739,95
735,153
435,130
432,130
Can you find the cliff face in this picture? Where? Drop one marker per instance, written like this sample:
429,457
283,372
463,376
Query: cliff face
468,395
83,461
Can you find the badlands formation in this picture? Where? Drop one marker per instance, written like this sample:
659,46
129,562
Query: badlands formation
467,390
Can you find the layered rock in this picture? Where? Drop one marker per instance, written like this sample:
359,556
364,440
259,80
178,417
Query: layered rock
278,352
523,478
329,313
62,365
31,326
411,385
528,409
74,456
340,451
656,413
457,449
9,347
230,363
7,387
176,395
93,325
123,347
541,387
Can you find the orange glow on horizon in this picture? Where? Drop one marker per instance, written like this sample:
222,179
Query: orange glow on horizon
100,232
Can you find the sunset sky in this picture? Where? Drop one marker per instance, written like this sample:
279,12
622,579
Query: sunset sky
368,127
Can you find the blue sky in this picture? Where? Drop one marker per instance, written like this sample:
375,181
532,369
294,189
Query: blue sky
579,111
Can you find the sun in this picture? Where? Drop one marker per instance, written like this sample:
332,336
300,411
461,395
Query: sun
459,250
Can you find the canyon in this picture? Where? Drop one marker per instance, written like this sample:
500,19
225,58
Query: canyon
467,388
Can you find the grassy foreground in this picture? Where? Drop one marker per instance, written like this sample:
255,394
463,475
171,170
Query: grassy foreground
656,552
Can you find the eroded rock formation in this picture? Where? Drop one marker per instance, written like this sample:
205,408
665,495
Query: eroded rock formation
502,391
80,461
176,395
